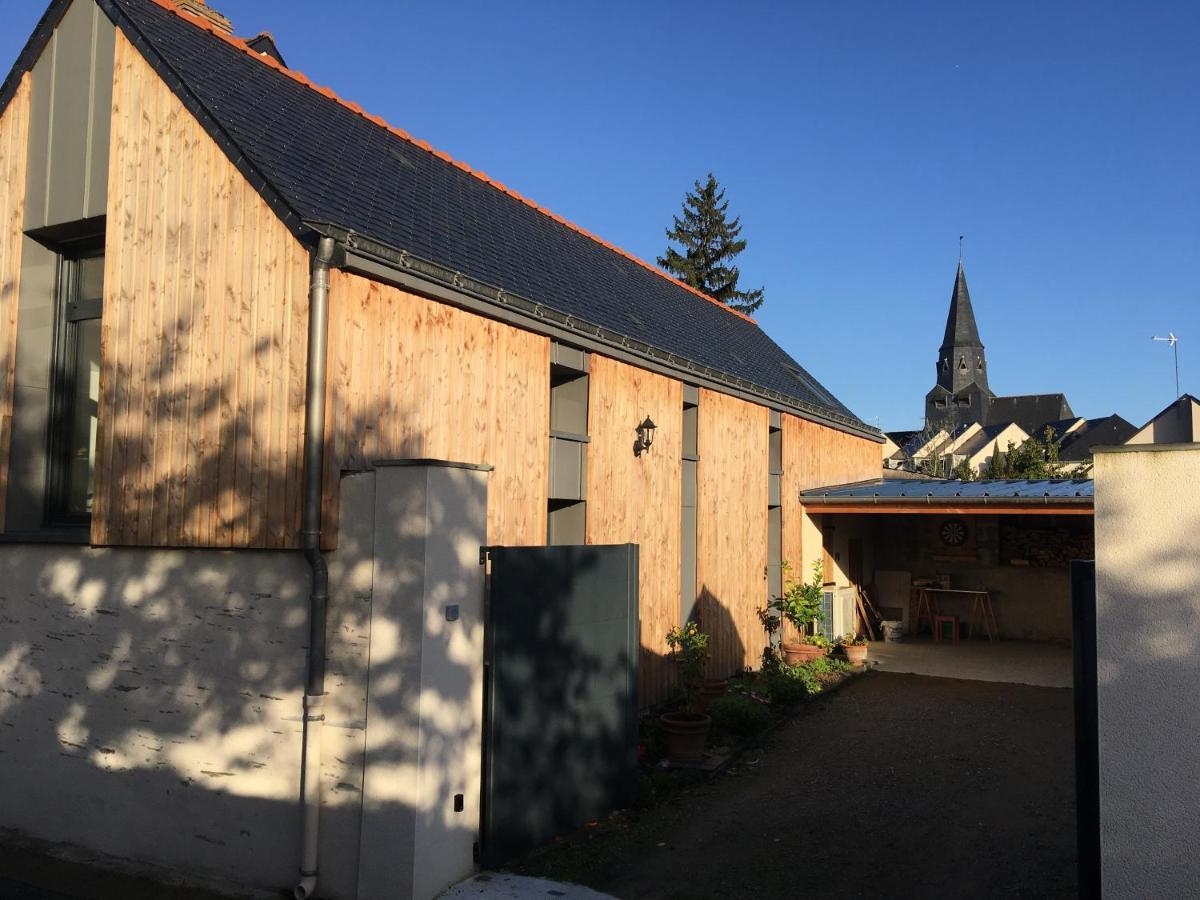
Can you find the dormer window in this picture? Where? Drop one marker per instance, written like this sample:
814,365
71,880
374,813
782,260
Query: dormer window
979,365
945,364
962,364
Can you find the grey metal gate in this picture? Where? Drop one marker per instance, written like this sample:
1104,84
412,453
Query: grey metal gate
560,692
1087,726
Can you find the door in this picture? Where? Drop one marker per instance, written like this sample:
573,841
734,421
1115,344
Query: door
560,692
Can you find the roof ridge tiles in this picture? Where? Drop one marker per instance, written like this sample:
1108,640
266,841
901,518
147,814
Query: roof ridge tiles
353,107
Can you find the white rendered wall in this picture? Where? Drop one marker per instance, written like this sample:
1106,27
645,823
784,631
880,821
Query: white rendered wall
1148,667
150,705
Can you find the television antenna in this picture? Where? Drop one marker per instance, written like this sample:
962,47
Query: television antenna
1173,341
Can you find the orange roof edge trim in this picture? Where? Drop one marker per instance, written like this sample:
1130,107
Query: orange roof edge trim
240,44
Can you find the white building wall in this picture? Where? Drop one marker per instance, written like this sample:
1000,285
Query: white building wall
150,705
1148,668
151,700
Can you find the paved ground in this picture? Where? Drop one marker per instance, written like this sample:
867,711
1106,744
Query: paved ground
504,886
30,874
1016,662
896,786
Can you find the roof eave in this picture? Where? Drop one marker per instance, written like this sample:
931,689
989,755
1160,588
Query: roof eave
373,259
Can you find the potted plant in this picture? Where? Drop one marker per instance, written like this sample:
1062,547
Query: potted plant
855,648
800,605
686,731
710,690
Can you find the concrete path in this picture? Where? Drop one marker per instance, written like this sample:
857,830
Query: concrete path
495,886
1012,662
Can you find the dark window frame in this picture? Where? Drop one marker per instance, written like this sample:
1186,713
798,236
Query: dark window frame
69,310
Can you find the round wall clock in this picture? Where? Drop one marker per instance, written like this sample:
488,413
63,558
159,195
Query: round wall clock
953,532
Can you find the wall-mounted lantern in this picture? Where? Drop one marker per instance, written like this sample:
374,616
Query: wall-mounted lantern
645,437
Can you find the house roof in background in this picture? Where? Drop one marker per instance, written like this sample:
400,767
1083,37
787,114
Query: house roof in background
1061,427
1077,446
322,161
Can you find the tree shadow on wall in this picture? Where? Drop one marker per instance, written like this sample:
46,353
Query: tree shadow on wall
151,699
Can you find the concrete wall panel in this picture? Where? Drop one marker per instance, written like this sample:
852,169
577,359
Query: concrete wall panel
1148,669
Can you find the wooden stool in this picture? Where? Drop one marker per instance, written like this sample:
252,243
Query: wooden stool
939,621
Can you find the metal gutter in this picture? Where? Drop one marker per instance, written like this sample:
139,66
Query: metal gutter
933,500
379,262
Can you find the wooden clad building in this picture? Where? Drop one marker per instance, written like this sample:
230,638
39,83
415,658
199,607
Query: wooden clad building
162,187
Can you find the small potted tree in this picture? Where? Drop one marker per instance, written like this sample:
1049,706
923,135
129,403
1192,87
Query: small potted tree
855,648
685,731
800,605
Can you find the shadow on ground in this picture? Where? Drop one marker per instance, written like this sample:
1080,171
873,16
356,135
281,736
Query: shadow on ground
895,786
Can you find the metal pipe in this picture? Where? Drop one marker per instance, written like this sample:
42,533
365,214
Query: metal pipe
310,539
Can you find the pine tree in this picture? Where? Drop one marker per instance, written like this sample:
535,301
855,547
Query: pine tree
709,242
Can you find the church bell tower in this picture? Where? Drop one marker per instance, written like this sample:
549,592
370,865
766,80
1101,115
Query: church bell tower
961,394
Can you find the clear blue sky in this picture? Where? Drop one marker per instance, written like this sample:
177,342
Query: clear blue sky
856,140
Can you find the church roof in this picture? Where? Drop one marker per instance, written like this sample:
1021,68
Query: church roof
1030,411
961,330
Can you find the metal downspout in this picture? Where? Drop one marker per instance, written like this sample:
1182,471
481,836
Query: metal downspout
310,536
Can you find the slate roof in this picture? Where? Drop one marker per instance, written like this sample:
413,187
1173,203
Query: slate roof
987,435
901,438
1105,432
1030,411
1069,491
1060,427
319,160
961,330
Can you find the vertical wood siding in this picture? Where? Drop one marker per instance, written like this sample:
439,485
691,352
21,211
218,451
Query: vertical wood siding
817,456
203,338
731,524
636,500
14,142
411,378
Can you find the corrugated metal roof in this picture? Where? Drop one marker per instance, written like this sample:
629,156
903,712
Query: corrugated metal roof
1056,490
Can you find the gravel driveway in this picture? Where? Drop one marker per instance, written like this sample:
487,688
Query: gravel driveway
895,786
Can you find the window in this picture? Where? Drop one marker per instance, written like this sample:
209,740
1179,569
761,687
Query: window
75,388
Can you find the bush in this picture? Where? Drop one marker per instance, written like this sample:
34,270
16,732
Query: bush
739,714
786,691
787,685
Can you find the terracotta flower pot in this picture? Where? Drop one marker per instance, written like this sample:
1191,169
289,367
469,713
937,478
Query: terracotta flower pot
710,690
795,654
685,734
856,654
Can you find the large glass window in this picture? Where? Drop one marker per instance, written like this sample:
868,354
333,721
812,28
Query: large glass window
76,389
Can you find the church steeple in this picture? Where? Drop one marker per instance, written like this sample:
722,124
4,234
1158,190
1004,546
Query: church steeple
961,359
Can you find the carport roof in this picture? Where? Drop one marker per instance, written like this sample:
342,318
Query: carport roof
981,497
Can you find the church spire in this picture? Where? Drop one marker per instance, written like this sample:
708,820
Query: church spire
961,359
961,330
